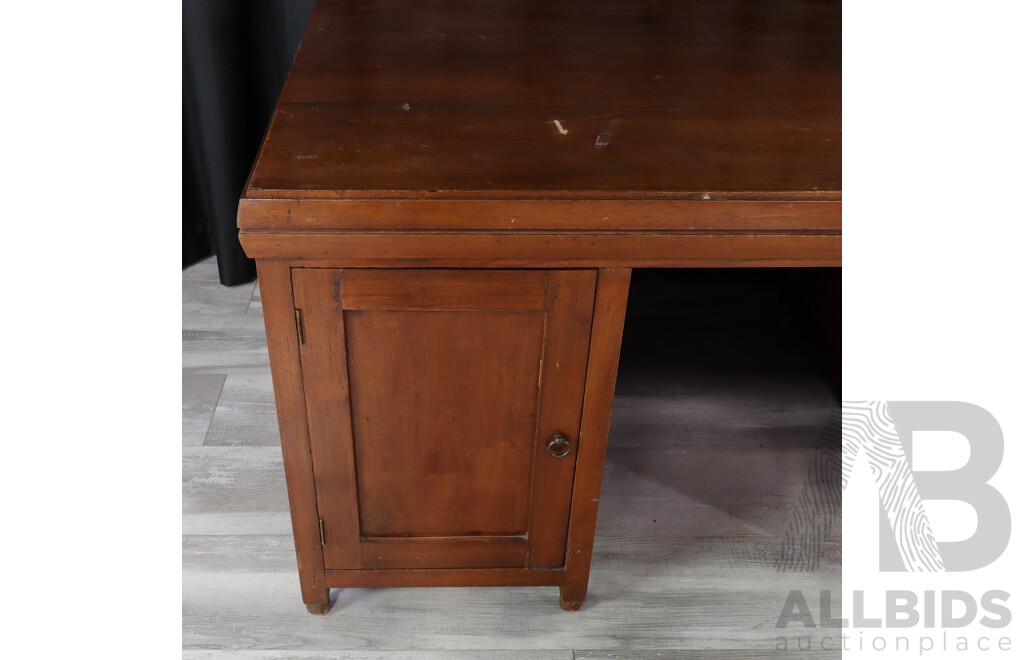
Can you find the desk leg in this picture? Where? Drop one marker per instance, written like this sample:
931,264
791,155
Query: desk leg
275,281
602,368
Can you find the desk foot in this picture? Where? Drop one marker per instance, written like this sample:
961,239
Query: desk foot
321,600
567,603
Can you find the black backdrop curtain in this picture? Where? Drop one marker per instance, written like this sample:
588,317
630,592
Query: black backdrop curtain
236,55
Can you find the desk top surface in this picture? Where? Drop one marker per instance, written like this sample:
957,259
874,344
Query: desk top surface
566,100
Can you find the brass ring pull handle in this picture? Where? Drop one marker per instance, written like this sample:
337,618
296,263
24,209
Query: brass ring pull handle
559,446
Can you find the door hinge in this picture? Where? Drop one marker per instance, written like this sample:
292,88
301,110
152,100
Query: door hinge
298,326
323,543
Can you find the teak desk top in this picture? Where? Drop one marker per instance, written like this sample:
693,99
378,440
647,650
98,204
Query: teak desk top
672,116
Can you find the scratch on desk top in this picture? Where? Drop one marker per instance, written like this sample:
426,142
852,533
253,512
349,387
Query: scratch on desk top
605,136
561,130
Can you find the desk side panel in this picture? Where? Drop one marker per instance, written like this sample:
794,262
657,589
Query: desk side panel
602,369
282,340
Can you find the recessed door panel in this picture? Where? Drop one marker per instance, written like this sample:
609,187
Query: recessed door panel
444,420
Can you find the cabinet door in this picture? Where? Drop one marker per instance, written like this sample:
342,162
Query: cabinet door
436,402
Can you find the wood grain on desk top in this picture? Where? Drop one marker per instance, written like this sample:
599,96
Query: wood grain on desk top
656,99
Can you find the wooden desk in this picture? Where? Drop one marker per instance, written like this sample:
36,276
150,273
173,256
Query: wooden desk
444,213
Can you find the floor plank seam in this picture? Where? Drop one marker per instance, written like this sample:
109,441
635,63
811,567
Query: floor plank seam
210,425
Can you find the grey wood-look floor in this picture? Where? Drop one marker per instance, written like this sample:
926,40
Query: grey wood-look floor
719,498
